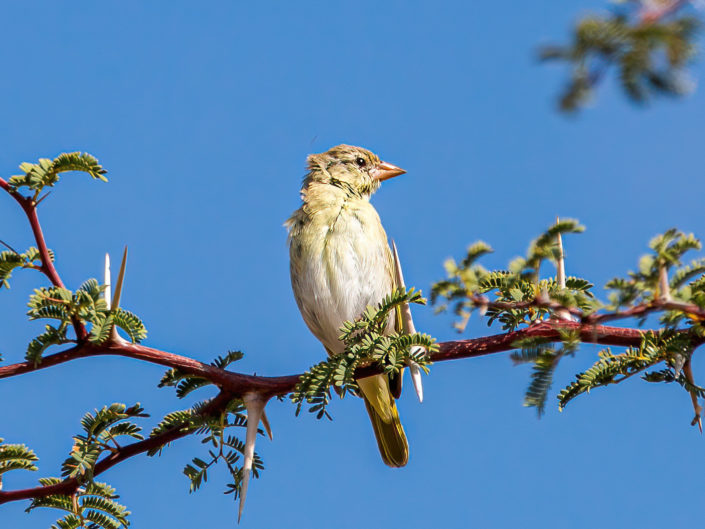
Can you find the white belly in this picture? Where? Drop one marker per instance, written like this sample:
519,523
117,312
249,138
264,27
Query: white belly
348,269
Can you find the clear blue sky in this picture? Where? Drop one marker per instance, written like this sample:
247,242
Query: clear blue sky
204,114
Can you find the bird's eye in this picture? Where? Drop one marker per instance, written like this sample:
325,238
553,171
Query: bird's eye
360,161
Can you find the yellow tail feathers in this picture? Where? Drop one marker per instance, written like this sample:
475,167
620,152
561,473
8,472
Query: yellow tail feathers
384,416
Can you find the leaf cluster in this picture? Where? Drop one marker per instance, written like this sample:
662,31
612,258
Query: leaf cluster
650,56
86,305
45,173
92,506
10,260
101,431
185,383
545,357
367,340
16,457
517,295
227,449
644,286
673,348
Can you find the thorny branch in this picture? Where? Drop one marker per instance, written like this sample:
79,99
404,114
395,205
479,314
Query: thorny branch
236,385
233,385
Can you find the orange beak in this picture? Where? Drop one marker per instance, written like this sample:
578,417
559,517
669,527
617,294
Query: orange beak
384,171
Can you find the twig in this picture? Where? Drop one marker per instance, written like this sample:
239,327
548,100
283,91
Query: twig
29,206
9,247
69,486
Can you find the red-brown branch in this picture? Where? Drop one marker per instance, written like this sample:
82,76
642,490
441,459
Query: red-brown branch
237,384
596,318
29,206
639,311
69,486
47,265
234,385
4,184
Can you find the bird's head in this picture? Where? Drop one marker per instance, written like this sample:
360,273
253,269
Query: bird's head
354,169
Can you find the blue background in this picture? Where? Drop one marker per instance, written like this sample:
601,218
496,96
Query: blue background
204,114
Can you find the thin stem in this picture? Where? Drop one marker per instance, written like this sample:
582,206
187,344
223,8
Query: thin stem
6,186
595,318
29,206
47,265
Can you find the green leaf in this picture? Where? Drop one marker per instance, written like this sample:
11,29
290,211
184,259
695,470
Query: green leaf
46,172
131,324
101,330
51,336
94,503
545,364
16,457
365,339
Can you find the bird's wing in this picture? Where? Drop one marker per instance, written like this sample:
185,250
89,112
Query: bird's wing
395,380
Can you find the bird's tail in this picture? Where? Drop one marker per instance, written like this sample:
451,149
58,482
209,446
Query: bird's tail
384,416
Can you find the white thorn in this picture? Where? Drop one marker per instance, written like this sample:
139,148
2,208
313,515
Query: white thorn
116,299
560,266
664,287
267,427
678,363
415,372
254,404
120,279
562,314
107,292
407,325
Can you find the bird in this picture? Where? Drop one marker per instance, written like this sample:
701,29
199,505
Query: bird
341,262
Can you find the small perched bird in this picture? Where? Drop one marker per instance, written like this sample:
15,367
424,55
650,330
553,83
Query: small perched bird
341,263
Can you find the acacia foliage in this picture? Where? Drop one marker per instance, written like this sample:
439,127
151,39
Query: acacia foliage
663,288
648,44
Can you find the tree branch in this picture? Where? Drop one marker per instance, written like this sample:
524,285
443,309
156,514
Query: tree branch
47,265
237,384
4,184
233,385
595,318
69,486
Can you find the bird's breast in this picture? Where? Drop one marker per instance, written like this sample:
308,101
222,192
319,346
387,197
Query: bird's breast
339,264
